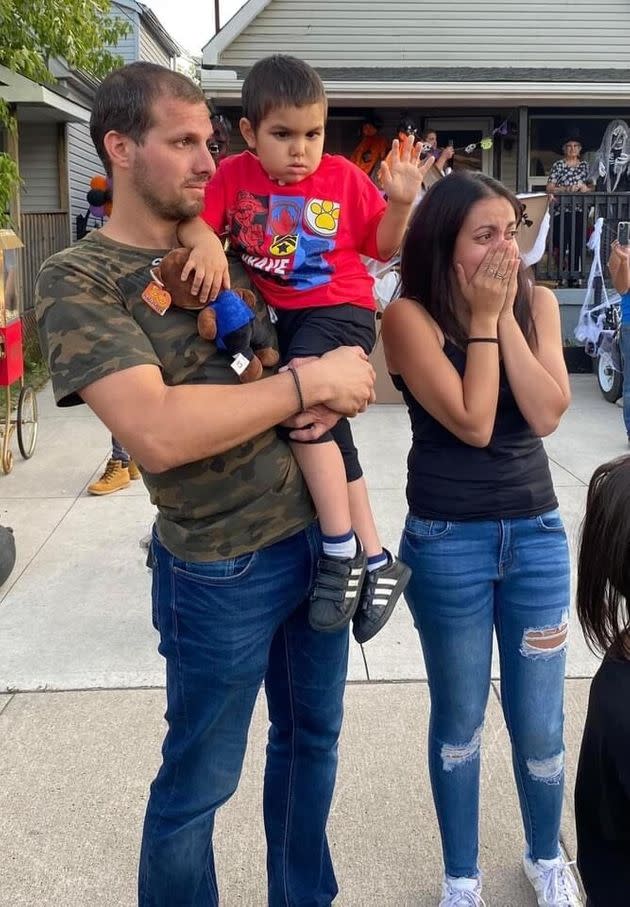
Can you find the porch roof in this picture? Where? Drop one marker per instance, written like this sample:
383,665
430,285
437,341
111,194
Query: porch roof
451,86
38,102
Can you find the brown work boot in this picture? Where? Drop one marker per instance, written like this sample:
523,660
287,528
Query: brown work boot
115,477
134,472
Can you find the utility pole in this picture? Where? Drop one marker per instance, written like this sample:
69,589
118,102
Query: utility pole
217,16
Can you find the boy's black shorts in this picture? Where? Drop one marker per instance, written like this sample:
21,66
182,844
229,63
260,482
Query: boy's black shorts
313,332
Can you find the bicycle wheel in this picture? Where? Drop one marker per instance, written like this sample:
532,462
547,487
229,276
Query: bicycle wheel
609,379
27,421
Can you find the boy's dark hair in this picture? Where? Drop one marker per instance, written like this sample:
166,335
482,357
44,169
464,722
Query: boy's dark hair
426,267
280,81
603,573
124,101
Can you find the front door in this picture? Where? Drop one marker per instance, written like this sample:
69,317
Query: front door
464,132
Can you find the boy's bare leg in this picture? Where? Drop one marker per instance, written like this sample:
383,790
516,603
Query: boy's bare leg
324,473
363,518
341,567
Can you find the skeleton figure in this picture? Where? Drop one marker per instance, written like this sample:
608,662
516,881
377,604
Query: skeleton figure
610,170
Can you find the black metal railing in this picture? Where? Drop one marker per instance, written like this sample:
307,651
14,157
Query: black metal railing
567,258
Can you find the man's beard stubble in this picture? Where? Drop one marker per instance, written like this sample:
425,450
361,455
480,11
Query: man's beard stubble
171,209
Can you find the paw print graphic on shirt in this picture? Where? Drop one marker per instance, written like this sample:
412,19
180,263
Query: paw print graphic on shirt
322,216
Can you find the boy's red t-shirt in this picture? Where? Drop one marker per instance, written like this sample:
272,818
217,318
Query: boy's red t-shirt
301,243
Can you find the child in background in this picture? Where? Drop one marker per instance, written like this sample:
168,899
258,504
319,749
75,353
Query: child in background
602,790
300,220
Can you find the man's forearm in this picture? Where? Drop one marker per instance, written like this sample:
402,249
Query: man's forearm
187,427
166,426
620,273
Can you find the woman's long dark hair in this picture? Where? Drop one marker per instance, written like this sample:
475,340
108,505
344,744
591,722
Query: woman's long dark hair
426,269
603,582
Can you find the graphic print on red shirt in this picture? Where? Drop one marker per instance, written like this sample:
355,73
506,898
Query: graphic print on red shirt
301,243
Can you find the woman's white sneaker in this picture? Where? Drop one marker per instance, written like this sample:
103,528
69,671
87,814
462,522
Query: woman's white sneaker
461,893
553,881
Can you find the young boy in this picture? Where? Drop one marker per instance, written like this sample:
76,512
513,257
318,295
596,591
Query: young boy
300,220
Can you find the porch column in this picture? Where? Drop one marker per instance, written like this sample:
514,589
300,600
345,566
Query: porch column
522,157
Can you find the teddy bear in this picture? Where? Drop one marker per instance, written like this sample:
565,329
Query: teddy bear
230,320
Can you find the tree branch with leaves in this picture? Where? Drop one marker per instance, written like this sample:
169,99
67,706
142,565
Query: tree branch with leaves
36,32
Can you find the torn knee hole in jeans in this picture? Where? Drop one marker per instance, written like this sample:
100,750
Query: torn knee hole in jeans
549,771
456,754
544,642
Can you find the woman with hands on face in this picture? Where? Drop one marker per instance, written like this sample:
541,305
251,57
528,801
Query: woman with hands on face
476,350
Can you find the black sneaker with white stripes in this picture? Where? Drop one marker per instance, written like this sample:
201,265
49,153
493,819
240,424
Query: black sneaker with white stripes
381,590
337,589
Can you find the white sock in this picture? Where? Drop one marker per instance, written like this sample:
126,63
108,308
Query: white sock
376,561
342,546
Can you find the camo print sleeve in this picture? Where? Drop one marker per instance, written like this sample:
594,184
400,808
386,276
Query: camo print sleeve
85,330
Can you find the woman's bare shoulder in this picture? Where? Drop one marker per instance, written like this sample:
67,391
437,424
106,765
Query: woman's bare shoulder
404,312
543,299
408,330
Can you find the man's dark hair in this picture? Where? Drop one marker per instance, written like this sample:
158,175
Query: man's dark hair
124,101
426,266
280,81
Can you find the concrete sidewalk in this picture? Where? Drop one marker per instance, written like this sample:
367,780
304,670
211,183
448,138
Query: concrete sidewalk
81,695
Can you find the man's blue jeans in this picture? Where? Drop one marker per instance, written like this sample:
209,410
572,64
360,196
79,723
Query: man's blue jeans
225,628
119,452
468,577
625,358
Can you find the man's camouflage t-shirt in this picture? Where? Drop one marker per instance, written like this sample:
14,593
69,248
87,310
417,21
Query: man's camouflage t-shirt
93,322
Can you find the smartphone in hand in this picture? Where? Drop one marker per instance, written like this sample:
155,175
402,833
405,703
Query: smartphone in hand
623,233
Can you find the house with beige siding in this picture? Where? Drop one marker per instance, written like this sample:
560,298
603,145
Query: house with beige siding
523,74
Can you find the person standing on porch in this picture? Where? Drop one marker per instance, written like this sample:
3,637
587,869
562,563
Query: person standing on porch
569,175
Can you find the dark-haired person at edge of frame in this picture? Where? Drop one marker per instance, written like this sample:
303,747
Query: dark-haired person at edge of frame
476,350
602,787
235,544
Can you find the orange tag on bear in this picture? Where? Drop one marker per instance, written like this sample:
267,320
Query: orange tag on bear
156,297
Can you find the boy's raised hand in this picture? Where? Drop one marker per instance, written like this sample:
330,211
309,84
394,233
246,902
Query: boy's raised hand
207,259
402,178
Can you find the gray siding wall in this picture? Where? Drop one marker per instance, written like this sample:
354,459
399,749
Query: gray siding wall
127,47
555,33
150,50
39,167
83,164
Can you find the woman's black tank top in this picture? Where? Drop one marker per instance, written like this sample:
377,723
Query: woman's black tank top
450,480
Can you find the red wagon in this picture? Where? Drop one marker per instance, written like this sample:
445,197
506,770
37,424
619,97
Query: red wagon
24,421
